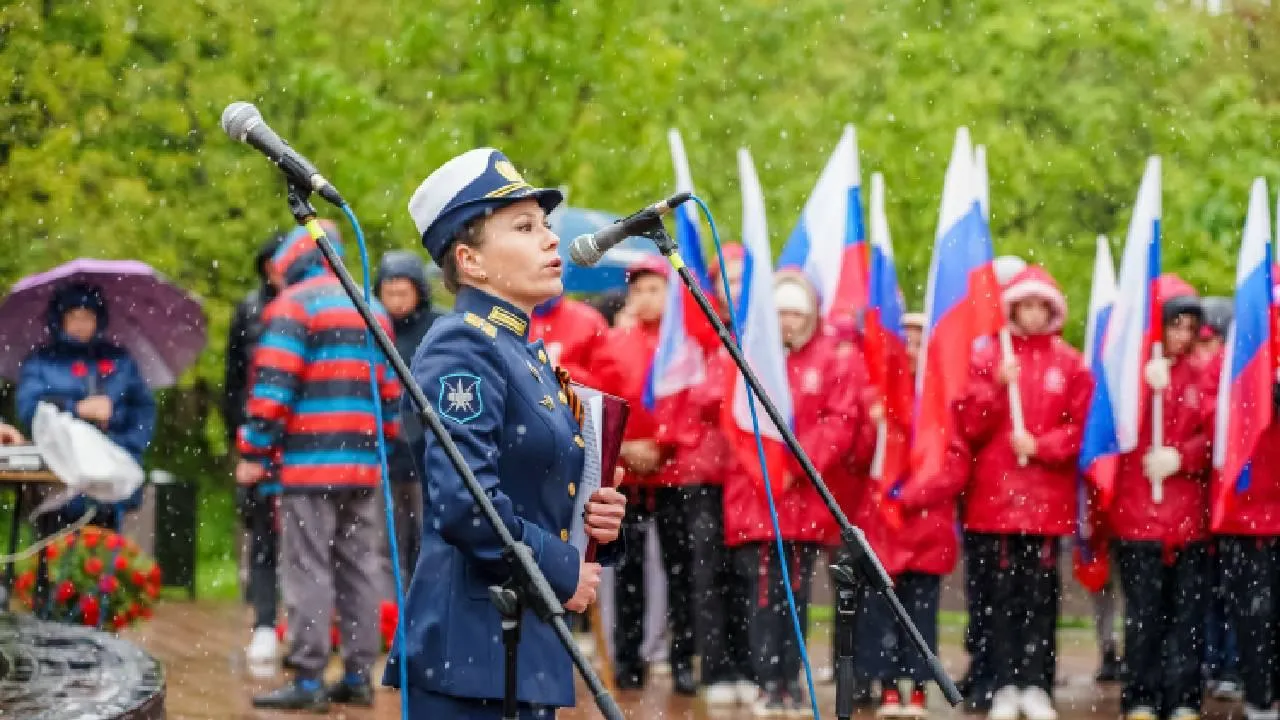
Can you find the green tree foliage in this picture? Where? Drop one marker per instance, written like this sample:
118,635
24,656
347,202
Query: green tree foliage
111,145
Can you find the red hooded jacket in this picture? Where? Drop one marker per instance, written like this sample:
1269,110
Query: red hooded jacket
1055,387
621,368
689,429
826,408
573,332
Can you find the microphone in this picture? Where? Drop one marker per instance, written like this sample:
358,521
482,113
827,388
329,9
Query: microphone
243,122
586,250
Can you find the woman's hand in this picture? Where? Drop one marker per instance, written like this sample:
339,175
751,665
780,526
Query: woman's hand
604,512
9,435
641,456
95,408
588,581
249,473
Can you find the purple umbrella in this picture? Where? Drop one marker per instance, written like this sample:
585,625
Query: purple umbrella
161,325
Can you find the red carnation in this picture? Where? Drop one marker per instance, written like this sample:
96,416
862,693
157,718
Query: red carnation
79,369
109,584
52,551
91,540
71,541
145,612
334,636
26,580
89,606
137,578
154,574
106,367
66,591
93,566
121,563
152,591
119,621
114,542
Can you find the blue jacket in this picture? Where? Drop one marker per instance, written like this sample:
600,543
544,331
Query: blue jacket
503,407
66,371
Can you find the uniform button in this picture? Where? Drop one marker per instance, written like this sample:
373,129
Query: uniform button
573,489
564,536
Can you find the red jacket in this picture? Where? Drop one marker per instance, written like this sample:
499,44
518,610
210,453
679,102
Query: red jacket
573,331
1256,511
1040,498
689,430
621,368
1188,426
928,541
824,401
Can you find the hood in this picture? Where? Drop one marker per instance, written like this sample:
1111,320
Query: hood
647,264
265,251
299,259
1218,314
1034,282
1007,268
732,253
70,297
793,289
411,267
1177,298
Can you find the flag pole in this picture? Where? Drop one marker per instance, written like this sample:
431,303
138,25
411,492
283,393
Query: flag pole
1015,394
1157,426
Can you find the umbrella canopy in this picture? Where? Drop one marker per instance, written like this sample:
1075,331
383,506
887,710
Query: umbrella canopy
611,272
160,324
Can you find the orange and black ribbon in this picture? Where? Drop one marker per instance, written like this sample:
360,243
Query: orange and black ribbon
575,403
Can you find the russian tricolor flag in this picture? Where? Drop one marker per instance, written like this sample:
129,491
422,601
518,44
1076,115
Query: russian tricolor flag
1244,395
680,361
885,341
962,305
829,243
1119,391
761,338
1091,563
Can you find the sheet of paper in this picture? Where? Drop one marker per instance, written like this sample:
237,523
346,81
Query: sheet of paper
592,472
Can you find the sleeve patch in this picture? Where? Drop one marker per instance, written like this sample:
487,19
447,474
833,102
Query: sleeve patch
460,397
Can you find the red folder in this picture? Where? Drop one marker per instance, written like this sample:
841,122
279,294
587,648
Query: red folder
614,412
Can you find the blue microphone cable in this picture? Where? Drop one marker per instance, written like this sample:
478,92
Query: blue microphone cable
768,485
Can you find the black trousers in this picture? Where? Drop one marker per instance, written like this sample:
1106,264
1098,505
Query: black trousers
1251,573
1166,594
665,507
258,513
775,652
883,651
1016,598
980,675
719,594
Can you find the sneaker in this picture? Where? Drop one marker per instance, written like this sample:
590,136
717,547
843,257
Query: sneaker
1005,703
1253,712
722,694
918,706
1227,690
770,704
798,705
586,644
1141,712
351,692
260,656
659,668
1185,713
890,704
308,695
1036,704
748,692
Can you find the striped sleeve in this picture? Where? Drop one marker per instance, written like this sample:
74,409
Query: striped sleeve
276,372
389,389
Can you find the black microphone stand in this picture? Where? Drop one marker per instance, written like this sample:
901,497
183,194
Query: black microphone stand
858,572
528,587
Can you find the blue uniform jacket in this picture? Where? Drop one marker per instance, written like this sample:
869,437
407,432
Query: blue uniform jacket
503,407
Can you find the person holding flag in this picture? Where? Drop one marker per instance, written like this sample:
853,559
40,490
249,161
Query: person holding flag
1246,489
572,331
1160,521
1015,512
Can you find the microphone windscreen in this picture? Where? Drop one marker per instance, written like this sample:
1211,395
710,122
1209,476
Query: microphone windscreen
583,251
237,119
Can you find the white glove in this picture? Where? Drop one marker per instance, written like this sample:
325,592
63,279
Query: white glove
1156,373
1160,463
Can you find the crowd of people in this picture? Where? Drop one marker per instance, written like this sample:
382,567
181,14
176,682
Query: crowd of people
1014,497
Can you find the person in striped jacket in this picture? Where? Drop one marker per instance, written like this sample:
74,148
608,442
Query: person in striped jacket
310,433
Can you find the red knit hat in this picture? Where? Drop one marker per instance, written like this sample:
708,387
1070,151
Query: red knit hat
1036,282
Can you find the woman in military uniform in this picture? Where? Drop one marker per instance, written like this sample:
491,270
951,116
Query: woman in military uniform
516,421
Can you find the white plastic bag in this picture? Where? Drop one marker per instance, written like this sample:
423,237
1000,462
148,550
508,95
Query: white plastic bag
83,458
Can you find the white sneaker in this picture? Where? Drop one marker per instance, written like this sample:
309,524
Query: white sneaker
1005,704
722,694
586,644
1252,712
260,656
747,692
1185,713
1036,704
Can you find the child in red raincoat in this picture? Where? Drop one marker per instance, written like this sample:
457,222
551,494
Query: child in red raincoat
1021,497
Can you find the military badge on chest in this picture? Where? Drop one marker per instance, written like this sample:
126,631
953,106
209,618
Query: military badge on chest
460,397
